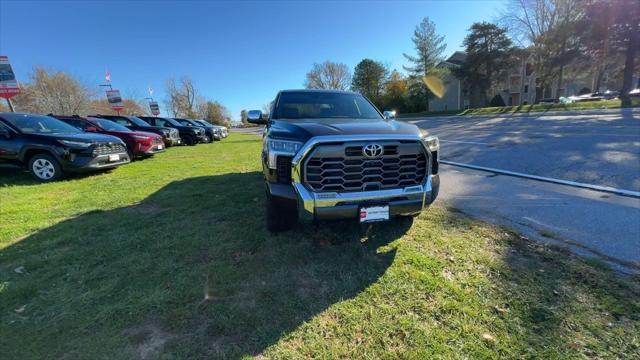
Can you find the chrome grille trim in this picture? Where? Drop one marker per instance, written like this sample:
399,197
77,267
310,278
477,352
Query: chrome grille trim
342,167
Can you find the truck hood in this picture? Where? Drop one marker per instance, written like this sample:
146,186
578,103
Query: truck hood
304,129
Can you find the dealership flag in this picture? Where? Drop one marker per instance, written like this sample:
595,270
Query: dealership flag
107,76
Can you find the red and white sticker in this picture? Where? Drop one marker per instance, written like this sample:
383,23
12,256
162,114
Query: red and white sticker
374,213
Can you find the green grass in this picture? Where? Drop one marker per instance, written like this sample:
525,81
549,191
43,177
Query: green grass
587,105
169,258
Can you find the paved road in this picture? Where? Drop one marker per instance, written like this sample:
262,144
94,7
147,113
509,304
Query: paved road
587,221
599,148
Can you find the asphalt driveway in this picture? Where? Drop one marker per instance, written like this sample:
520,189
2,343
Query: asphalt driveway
597,147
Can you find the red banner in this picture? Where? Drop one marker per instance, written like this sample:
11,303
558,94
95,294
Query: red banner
8,83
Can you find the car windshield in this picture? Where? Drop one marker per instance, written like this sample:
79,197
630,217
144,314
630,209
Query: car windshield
323,105
185,122
171,121
138,121
109,125
37,124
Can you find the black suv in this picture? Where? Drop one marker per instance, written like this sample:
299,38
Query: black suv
190,135
49,148
332,155
170,136
211,132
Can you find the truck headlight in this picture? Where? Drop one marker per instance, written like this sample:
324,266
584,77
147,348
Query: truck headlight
432,143
280,147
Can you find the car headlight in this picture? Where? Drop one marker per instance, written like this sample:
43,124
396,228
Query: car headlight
78,144
140,137
432,143
280,147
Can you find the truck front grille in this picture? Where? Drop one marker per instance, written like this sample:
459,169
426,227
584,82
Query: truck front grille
105,149
344,167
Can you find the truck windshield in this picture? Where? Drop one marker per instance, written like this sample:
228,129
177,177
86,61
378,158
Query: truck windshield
323,105
36,124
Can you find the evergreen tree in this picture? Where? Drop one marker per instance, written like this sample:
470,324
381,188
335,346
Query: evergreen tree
368,79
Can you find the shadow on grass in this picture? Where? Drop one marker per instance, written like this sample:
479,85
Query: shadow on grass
191,270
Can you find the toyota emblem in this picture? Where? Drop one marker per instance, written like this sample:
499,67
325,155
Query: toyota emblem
372,150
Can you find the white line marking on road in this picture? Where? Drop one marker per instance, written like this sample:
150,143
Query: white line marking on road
465,142
623,192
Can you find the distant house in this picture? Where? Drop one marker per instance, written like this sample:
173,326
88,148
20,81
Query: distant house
453,97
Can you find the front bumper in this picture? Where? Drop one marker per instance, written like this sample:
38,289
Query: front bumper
172,141
87,163
328,206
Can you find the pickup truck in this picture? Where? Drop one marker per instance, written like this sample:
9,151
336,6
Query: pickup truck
333,155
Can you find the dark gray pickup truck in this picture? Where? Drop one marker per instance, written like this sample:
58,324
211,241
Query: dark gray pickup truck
332,155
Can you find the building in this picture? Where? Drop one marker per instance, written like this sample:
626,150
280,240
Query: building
516,87
453,97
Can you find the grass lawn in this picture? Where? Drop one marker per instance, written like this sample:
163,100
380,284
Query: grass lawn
169,258
589,105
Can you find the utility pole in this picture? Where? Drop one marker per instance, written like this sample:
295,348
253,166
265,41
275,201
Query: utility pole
10,105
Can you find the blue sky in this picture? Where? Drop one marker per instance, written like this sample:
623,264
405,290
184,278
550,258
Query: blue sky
239,53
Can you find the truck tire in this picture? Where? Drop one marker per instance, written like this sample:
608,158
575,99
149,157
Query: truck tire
282,214
45,167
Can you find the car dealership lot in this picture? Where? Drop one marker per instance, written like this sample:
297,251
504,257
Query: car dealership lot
169,258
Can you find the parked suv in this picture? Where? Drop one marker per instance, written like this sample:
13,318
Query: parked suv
50,148
189,135
139,143
170,136
333,155
224,132
211,132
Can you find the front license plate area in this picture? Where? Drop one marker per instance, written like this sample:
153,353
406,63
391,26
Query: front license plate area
114,157
374,213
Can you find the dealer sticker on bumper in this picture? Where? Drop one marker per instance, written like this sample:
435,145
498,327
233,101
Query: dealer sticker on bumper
374,213
114,157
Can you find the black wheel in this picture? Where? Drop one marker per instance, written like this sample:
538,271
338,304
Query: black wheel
189,140
130,153
45,167
282,214
207,139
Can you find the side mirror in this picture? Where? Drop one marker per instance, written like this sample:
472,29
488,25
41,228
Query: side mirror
91,129
256,117
389,114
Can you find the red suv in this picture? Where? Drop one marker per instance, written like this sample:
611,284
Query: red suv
139,143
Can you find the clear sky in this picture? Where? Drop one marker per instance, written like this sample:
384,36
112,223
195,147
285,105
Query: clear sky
239,53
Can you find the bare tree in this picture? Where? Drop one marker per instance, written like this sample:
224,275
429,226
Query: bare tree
328,75
183,97
55,92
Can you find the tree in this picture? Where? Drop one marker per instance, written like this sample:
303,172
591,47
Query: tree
547,28
488,51
56,92
244,117
429,47
183,96
368,79
131,107
328,75
395,93
213,112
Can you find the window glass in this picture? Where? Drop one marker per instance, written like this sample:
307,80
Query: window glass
323,105
37,124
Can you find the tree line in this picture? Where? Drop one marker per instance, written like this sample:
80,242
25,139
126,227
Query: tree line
49,91
558,39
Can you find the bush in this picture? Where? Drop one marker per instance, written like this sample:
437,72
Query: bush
497,101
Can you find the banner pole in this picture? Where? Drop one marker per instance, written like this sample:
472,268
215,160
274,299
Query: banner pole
10,105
